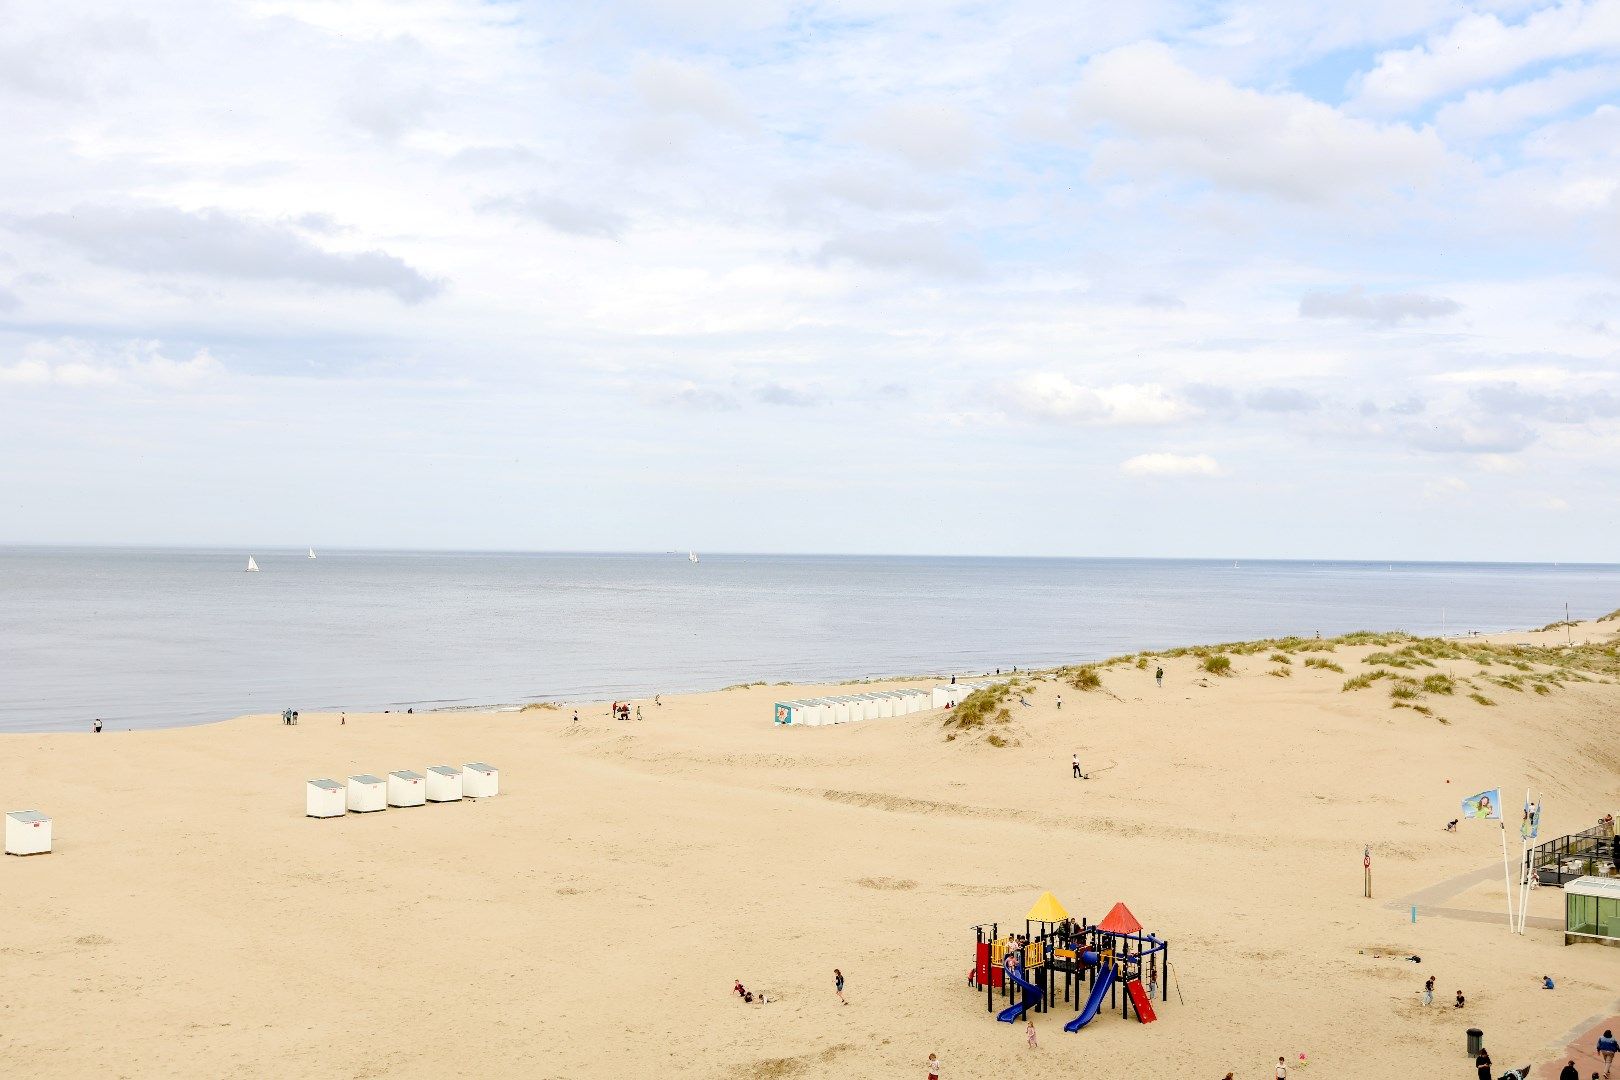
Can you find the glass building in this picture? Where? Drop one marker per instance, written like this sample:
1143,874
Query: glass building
1592,910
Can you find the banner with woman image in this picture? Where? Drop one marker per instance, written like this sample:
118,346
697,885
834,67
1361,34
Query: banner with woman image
1486,806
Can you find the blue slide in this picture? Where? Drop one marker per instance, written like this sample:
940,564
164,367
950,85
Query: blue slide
1032,994
1105,979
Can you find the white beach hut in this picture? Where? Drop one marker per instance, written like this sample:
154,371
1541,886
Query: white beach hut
820,712
367,793
857,708
837,711
324,798
443,784
885,704
942,696
873,705
28,832
405,788
480,780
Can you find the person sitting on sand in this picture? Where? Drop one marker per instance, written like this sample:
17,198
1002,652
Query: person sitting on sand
1546,982
1451,826
739,989
1459,1003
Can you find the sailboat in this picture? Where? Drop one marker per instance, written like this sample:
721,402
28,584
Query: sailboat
252,567
691,556
312,553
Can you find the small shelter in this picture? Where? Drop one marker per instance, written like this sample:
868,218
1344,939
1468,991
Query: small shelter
405,788
28,832
1591,908
480,780
1047,910
367,793
324,798
443,783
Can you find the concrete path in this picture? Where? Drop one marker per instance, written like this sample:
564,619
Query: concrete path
1429,901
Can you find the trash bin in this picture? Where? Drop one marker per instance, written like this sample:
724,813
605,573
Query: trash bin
1476,1040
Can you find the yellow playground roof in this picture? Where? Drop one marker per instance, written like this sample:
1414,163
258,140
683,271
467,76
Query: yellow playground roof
1047,909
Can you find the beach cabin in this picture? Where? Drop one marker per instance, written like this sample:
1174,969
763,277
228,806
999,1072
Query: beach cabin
405,788
480,781
943,696
837,711
324,798
443,784
885,702
367,794
28,832
1591,907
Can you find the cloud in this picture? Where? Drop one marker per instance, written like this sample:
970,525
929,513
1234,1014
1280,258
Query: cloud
1479,49
78,365
1284,144
700,399
9,301
161,239
929,136
1054,396
1464,436
1484,113
778,394
674,87
922,247
1445,487
1510,399
1171,465
1282,399
576,219
1386,309
1552,503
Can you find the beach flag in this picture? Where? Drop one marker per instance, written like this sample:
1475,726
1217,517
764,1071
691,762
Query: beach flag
1530,827
1486,806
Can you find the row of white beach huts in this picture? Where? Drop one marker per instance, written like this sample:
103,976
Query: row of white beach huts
847,709
364,793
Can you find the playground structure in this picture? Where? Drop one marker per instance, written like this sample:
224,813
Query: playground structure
1113,956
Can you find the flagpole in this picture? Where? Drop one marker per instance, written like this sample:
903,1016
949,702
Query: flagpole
1507,877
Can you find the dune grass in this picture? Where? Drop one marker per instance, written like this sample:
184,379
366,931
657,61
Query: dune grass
1323,664
1217,664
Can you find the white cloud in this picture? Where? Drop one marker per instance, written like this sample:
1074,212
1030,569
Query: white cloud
1484,113
673,86
1054,396
80,365
1386,309
1283,144
1479,49
1445,487
1171,465
929,135
1552,503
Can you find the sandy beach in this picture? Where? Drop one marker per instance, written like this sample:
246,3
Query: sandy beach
591,920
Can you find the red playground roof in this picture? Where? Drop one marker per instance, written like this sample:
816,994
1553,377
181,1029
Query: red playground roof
1119,920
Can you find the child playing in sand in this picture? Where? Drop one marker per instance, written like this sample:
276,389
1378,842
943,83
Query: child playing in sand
932,1065
1029,1032
838,985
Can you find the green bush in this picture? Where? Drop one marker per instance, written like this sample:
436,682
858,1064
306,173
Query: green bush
1216,664
1279,658
1438,684
1324,665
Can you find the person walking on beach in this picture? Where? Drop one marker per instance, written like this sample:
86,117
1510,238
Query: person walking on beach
838,985
96,727
343,719
932,1065
1482,1062
1607,1047
576,716
1282,1069
1077,766
1569,1072
1158,676
1029,1033
1428,991
1060,702
656,701
638,712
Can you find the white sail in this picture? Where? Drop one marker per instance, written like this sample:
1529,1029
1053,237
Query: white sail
252,567
692,556
312,553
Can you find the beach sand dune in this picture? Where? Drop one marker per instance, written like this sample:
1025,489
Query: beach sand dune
591,919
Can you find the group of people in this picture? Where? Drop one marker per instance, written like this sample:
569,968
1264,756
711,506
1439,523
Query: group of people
621,711
748,996
289,717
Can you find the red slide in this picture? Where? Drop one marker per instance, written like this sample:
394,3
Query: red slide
1139,998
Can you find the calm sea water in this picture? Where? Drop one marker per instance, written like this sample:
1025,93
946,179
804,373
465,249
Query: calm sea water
146,638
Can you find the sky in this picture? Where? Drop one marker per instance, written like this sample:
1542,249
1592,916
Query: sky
1026,278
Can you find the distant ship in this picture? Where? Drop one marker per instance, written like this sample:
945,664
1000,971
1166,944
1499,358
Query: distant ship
691,556
252,567
312,553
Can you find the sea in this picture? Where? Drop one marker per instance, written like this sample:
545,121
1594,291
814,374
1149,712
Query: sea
144,638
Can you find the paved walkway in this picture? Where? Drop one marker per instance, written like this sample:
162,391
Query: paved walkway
1581,1040
1430,901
